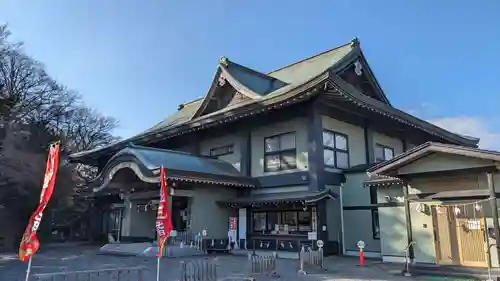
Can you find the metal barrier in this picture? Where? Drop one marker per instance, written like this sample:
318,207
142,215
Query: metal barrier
263,264
198,270
115,274
186,237
310,258
407,250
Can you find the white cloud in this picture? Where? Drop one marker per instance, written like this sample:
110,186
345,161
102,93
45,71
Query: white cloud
420,109
471,126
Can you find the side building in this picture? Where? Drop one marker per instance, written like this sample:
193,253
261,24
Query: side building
286,152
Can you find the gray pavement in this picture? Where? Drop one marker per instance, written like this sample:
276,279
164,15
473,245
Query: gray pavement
85,258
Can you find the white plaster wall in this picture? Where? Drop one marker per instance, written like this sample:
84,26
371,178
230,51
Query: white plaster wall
392,142
393,238
334,222
206,213
233,158
354,193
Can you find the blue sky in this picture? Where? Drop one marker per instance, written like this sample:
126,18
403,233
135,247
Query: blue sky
137,60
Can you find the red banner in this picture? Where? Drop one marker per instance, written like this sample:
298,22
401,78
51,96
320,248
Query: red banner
163,221
29,243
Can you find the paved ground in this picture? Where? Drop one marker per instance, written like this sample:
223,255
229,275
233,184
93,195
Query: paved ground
85,258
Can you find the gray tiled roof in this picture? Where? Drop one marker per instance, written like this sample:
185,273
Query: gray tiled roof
273,88
179,165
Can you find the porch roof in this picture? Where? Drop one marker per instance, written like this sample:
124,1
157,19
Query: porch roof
379,181
146,162
389,168
454,195
279,197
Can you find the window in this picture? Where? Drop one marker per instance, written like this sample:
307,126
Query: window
223,150
259,221
280,153
290,219
383,153
282,222
305,221
336,152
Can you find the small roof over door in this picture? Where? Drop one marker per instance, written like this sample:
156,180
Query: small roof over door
304,197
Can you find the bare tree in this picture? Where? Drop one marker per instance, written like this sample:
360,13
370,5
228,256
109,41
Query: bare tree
34,111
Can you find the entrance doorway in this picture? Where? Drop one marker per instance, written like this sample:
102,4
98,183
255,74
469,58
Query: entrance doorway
459,235
112,223
181,213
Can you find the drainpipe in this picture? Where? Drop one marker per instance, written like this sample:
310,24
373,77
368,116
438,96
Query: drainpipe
408,221
341,202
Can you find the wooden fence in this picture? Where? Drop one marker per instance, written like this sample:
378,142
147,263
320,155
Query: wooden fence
310,260
198,270
262,264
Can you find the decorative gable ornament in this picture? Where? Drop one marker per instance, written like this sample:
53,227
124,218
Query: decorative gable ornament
358,68
223,61
222,81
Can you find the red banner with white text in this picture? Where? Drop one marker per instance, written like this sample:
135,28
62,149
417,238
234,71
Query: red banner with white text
163,221
29,242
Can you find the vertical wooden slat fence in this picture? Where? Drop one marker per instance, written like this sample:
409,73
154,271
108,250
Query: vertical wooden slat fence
262,264
310,259
198,270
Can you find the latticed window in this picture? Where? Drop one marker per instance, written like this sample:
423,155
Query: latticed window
222,150
280,153
383,153
335,150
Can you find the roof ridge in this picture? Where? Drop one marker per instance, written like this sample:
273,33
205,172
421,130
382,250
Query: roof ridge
192,101
229,62
353,43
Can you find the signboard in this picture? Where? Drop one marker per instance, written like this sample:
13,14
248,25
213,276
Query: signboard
361,244
173,233
233,223
204,232
312,236
320,243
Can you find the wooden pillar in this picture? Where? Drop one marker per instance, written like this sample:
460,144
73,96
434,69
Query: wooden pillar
245,142
494,209
409,232
316,164
369,143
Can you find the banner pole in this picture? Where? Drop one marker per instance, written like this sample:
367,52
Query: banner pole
28,270
157,269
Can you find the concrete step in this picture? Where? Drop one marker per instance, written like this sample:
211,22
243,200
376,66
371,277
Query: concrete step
148,250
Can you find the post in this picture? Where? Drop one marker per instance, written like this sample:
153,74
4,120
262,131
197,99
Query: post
253,244
408,219
158,268
28,270
494,209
